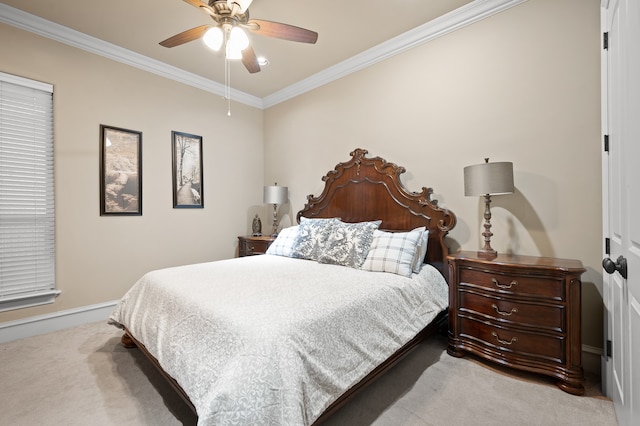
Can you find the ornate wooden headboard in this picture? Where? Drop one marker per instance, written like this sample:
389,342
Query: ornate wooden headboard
364,189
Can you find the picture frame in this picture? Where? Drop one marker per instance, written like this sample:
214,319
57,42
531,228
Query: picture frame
187,173
120,171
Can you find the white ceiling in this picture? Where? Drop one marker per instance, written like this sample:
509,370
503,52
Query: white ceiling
346,28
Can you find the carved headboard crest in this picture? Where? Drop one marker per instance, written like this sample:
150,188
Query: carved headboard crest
364,189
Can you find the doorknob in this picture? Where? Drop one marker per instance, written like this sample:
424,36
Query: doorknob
619,265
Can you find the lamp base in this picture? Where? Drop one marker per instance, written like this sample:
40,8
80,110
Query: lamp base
487,254
274,232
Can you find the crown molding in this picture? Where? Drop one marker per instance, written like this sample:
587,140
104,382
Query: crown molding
452,21
35,24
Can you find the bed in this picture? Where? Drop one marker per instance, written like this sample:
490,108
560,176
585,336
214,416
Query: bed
288,337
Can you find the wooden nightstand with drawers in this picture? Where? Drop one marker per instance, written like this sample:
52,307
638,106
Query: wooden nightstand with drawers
250,245
518,311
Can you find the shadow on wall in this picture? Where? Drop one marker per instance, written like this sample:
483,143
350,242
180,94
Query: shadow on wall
520,209
523,210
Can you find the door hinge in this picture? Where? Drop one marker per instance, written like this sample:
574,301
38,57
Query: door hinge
605,41
607,246
609,349
606,143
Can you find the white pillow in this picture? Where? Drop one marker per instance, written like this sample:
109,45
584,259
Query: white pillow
283,244
393,252
421,252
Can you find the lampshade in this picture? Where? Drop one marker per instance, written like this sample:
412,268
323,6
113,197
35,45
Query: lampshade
275,194
238,41
213,38
238,38
488,178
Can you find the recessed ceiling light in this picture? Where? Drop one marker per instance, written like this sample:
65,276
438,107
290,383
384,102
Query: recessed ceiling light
262,61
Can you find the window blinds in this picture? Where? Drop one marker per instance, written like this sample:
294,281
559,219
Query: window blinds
27,237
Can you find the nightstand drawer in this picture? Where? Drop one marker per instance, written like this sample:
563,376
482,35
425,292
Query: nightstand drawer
513,283
517,342
513,311
250,245
251,248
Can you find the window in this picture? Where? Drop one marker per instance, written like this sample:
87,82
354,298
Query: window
27,237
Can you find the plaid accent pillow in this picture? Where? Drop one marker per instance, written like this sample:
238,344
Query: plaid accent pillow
283,244
393,252
312,237
421,252
348,243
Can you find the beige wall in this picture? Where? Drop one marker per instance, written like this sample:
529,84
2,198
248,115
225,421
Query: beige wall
99,258
521,86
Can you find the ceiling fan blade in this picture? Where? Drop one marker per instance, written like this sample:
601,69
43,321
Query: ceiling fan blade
199,4
185,36
283,31
250,61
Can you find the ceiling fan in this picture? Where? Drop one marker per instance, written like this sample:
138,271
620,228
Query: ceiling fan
231,19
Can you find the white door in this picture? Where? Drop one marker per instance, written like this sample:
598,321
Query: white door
621,211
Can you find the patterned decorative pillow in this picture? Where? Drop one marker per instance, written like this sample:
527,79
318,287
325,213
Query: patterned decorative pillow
392,252
418,259
283,244
348,243
312,237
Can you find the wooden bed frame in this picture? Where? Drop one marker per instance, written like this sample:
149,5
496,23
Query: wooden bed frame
364,189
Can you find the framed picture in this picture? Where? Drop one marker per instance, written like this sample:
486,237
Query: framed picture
120,171
187,170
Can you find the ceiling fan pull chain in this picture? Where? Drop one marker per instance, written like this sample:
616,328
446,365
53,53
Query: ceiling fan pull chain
227,83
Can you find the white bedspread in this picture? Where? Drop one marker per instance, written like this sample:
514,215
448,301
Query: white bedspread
273,340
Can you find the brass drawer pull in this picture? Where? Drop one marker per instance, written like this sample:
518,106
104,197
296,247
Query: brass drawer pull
511,284
504,342
506,314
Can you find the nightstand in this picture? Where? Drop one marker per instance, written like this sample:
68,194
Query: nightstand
519,311
250,245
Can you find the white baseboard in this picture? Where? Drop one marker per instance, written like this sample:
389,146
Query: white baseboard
41,324
591,359
592,350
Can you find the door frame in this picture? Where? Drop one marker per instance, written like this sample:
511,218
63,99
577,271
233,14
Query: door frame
605,364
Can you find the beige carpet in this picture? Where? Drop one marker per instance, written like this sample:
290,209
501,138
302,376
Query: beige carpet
83,376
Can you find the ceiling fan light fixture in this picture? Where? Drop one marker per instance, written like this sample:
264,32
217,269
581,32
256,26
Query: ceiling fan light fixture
213,38
238,38
231,19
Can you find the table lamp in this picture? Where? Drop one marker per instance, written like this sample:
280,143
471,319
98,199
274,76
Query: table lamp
275,195
488,179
